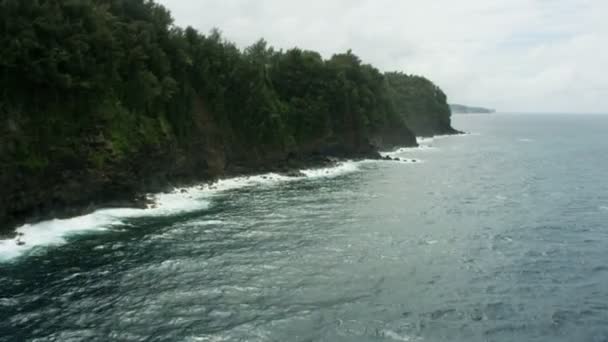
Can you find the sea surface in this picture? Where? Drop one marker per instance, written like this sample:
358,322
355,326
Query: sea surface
498,235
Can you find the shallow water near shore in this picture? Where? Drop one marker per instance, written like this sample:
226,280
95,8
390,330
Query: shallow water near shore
500,235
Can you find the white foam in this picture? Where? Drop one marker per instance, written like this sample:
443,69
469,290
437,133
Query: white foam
331,172
51,232
425,140
180,200
423,146
525,140
407,150
395,336
242,182
54,232
429,140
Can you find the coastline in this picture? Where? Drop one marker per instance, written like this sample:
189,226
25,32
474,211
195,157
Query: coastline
290,167
178,200
187,197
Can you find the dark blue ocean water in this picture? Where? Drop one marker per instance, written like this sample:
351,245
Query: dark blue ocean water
501,235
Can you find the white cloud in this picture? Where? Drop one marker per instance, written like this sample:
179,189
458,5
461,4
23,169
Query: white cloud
515,55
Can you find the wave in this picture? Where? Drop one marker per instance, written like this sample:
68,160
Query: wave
180,200
425,144
331,172
405,150
428,140
55,232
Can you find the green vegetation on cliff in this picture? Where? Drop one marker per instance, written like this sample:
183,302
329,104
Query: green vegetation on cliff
103,99
421,104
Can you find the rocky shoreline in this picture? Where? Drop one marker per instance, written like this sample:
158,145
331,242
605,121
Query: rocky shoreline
290,167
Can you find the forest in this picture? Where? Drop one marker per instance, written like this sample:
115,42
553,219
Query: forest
103,100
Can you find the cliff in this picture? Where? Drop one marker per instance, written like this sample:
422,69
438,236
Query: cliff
103,102
422,105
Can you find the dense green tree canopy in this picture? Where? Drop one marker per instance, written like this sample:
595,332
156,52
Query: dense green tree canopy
84,62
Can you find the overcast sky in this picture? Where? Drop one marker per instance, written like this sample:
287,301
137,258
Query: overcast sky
513,55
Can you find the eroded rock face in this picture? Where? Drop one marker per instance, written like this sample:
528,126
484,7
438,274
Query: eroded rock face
391,138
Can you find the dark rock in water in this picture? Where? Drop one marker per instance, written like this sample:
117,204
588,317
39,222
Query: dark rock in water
414,161
18,240
294,173
476,315
184,191
388,158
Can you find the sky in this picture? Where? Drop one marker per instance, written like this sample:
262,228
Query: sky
512,55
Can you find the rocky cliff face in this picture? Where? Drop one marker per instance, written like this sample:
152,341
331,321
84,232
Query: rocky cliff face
431,126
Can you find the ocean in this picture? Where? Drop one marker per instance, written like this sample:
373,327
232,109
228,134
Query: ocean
497,235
